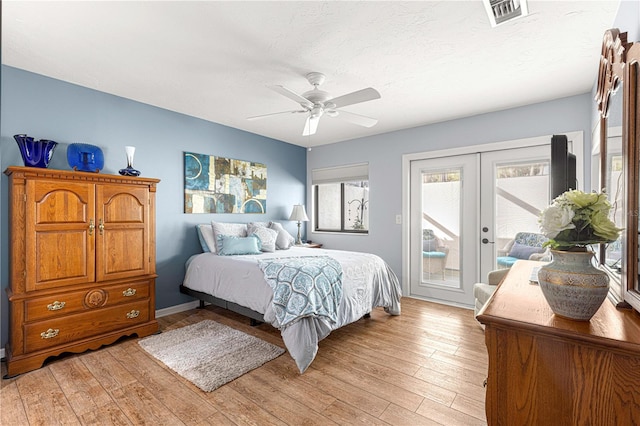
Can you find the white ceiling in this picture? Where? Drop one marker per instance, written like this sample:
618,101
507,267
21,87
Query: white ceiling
431,61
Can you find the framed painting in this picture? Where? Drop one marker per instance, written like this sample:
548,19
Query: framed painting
223,185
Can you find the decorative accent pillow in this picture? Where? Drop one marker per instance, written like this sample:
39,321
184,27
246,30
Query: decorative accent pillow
267,236
285,240
430,245
205,236
522,251
229,245
223,228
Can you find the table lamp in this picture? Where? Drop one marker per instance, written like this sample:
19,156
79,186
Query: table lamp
300,215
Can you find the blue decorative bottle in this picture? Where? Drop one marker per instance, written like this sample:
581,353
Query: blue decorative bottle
129,170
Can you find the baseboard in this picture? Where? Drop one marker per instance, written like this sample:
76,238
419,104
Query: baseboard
177,308
159,313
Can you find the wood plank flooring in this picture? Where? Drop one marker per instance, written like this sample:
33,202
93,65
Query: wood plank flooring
425,367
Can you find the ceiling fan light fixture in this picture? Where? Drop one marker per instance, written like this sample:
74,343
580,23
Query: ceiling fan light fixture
501,11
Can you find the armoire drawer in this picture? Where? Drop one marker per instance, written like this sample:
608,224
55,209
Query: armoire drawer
71,302
53,332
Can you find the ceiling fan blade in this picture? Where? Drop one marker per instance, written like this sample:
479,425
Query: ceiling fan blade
257,117
310,126
356,97
360,120
292,95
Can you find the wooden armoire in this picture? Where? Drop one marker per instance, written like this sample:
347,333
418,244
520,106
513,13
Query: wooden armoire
82,262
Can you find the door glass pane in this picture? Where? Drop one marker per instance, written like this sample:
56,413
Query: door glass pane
441,220
522,191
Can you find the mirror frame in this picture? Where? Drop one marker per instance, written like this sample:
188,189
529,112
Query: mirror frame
611,75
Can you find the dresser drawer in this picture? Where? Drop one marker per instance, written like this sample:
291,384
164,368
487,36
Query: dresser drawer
66,303
53,332
129,292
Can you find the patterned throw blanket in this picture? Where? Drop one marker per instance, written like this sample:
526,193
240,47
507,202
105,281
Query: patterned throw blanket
304,286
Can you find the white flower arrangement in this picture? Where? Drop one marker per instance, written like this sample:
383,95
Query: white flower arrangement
578,219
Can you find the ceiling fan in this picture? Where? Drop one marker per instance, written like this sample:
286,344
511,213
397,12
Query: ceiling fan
317,102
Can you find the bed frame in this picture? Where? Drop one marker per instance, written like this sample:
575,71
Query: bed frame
255,317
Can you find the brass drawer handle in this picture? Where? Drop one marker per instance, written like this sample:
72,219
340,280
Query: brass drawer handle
101,227
133,314
50,333
56,306
91,226
129,292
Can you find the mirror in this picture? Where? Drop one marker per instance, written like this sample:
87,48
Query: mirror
613,167
631,135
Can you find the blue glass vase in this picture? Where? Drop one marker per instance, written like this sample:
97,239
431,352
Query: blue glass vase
85,158
35,153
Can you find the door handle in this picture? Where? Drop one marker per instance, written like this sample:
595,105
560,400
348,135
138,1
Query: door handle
486,241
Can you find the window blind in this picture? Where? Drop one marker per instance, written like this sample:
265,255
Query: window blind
347,173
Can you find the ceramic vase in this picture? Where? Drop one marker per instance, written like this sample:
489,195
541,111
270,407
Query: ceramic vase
35,153
572,286
129,170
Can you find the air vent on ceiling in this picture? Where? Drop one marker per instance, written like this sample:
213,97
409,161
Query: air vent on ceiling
501,11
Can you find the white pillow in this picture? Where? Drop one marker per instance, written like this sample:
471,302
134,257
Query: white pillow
205,235
231,229
267,237
285,240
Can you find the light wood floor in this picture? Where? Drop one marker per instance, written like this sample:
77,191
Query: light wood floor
425,367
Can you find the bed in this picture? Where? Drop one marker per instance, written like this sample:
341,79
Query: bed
241,283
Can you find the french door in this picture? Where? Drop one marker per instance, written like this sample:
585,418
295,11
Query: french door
464,210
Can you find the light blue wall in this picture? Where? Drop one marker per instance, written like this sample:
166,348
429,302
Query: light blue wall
384,155
46,108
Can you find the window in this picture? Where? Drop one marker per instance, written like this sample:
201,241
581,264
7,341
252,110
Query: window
341,199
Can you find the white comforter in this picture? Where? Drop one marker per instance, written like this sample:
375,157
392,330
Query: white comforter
367,282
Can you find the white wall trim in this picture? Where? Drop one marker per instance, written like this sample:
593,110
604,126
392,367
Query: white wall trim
578,150
177,308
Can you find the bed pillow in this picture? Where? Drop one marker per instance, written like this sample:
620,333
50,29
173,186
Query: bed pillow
223,228
284,240
229,245
523,251
267,236
205,236
261,224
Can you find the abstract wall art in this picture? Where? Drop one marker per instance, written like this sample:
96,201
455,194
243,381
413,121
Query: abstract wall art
223,185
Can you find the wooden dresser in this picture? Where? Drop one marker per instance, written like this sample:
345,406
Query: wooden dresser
546,370
82,262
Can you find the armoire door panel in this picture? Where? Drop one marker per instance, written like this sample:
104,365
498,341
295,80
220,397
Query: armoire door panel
72,203
59,238
121,204
123,239
61,265
124,252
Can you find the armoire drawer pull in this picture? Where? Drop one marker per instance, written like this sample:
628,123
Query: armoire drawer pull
133,314
56,306
50,333
129,292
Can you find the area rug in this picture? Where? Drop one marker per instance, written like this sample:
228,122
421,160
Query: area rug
209,354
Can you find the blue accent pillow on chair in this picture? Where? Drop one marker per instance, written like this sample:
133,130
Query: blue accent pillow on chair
522,251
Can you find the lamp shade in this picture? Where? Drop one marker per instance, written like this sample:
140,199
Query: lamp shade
298,213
